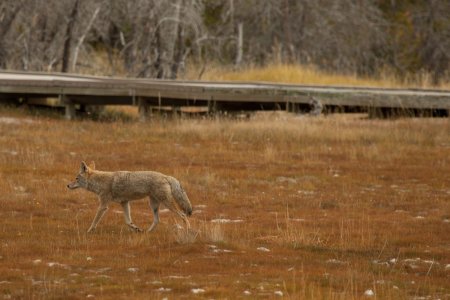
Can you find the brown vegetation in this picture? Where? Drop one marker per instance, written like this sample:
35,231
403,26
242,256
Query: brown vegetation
327,207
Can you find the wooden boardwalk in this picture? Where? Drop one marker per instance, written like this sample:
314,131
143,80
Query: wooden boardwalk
72,91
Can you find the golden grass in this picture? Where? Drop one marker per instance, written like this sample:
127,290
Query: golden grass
317,208
101,64
309,74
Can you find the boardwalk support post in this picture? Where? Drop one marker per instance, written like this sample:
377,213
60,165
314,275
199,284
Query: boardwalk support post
69,107
212,107
292,105
143,108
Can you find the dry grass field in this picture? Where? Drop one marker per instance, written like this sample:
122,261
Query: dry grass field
336,207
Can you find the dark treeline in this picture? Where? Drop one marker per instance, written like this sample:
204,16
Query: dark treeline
154,38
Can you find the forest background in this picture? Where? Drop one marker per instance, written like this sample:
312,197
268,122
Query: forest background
407,39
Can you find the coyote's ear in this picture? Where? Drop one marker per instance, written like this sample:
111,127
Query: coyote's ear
92,165
83,167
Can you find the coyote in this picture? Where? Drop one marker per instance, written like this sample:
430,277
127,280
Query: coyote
124,186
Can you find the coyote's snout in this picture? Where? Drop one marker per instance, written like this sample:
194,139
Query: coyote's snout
123,187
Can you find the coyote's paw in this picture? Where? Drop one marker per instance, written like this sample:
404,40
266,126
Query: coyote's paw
135,228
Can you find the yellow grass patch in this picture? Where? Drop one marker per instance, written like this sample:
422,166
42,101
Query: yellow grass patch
309,74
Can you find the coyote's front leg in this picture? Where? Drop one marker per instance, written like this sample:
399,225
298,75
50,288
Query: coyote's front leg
100,212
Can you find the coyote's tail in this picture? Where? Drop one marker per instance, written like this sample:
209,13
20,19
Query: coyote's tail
180,195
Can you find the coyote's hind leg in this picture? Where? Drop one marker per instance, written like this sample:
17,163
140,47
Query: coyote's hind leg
127,215
155,209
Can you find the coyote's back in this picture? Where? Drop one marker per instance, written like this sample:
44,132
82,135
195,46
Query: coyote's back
136,185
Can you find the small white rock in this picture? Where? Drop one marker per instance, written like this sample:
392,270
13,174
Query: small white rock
57,264
222,221
178,277
430,262
298,220
336,262
380,263
20,189
36,282
197,291
447,267
221,251
263,249
37,261
278,293
369,293
133,270
90,296
247,293
88,258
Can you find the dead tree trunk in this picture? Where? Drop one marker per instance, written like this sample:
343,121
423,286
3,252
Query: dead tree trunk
178,58
240,44
81,39
68,37
176,35
157,65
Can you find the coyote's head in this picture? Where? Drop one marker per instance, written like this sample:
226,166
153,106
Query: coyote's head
82,178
